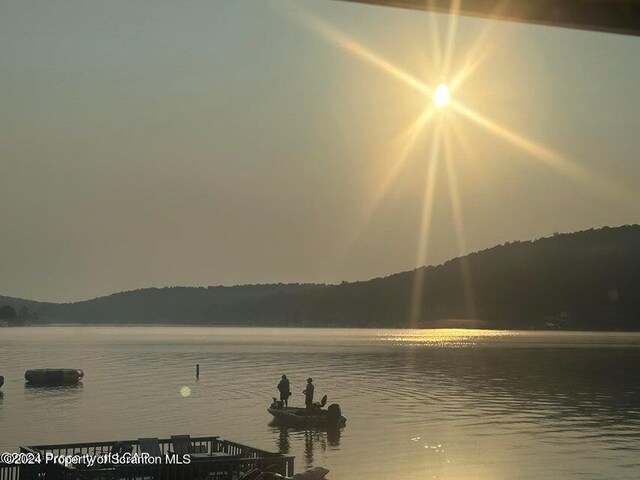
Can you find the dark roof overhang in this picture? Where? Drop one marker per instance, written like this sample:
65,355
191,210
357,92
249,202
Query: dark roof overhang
614,16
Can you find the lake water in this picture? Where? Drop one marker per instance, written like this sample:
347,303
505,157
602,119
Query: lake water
428,404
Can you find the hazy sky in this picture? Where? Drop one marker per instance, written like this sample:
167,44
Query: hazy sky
155,143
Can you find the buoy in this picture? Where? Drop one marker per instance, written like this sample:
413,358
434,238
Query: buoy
54,376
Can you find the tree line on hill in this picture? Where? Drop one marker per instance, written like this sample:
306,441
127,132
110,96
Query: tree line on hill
584,280
9,316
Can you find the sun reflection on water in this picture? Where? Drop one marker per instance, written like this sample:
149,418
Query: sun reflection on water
452,338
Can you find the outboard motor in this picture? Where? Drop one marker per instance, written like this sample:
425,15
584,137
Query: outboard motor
334,414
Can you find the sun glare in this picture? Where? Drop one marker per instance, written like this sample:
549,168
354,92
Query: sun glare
441,95
441,100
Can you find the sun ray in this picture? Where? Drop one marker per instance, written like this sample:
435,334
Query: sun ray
477,53
425,226
458,222
451,37
408,140
410,137
435,36
488,26
470,66
462,142
360,51
574,171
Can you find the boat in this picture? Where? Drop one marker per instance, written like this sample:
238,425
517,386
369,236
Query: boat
54,376
300,416
1,380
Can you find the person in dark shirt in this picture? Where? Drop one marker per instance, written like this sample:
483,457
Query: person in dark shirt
308,395
285,390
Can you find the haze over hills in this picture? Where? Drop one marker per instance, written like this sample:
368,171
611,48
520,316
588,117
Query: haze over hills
583,280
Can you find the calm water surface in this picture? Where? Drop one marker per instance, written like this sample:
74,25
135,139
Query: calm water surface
425,404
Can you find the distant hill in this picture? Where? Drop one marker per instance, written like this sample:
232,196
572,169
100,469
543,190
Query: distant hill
584,280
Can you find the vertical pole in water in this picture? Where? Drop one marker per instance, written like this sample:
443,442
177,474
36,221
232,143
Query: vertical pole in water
197,371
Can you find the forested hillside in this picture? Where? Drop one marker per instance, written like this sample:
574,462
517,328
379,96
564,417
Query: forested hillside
583,280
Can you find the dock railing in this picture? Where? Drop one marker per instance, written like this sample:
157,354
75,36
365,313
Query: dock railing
217,459
9,471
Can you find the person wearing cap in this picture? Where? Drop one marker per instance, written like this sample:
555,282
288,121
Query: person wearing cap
285,390
308,395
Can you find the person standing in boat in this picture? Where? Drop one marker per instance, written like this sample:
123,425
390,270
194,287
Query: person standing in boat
285,390
308,395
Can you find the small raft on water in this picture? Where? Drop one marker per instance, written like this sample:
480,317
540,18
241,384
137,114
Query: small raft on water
54,376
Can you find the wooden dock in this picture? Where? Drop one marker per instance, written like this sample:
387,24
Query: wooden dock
209,458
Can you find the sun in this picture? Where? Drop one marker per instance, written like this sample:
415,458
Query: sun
441,95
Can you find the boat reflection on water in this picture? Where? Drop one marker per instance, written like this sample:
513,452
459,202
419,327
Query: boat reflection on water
315,439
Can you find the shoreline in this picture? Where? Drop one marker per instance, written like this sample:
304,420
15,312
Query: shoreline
333,327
